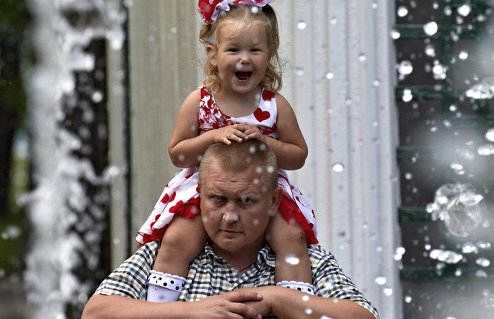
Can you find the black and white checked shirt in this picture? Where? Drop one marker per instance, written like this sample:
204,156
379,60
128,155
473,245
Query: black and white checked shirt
210,275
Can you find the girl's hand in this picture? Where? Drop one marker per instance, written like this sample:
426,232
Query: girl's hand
229,134
253,132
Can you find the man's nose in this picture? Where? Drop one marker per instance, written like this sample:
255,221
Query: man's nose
230,215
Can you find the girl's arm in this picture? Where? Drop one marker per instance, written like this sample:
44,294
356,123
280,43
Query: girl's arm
186,145
291,149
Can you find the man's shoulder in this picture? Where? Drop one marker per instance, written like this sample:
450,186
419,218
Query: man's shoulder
147,252
318,251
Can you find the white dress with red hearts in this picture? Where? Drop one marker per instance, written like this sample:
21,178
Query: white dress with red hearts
181,198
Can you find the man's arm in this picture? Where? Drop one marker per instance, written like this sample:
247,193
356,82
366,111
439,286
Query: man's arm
228,305
287,303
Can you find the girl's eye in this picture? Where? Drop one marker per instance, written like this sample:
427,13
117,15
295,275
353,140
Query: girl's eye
232,50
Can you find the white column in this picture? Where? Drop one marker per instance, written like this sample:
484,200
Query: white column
341,82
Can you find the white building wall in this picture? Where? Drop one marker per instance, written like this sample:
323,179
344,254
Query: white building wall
339,79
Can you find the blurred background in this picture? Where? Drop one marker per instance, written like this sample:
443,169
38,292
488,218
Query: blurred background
395,100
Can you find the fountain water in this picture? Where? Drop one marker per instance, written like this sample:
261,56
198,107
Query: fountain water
62,31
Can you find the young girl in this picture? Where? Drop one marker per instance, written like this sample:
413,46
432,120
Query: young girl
238,101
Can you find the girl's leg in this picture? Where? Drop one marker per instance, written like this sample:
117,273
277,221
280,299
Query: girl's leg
182,241
293,267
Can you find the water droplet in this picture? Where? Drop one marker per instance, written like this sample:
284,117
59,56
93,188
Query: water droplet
402,11
181,157
439,71
447,256
430,28
464,10
400,251
490,135
405,67
457,167
480,274
430,50
305,298
448,11
395,35
362,57
254,10
482,90
407,95
329,75
483,244
308,311
338,168
301,25
483,262
486,150
298,71
408,299
408,176
463,55
388,291
380,281
292,260
469,248
97,96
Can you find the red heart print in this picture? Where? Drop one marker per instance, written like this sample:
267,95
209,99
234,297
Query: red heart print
261,115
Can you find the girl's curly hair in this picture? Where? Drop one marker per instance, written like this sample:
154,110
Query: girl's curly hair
266,15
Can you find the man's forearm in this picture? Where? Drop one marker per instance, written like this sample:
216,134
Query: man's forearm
101,306
287,303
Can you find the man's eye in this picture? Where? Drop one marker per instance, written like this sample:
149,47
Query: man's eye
245,200
217,198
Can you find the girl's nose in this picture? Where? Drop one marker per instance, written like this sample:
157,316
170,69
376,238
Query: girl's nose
244,58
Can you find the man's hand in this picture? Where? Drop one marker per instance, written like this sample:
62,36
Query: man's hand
234,304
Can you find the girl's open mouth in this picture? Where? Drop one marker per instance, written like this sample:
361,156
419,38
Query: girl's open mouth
243,76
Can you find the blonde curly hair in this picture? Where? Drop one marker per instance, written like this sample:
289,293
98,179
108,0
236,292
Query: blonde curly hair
250,14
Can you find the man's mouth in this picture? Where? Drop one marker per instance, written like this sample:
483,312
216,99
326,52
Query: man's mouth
243,76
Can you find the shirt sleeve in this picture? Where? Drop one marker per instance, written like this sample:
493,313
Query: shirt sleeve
330,281
130,278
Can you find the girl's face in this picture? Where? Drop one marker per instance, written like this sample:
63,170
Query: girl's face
241,56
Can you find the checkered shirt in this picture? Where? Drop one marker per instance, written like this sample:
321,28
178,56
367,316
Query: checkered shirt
210,275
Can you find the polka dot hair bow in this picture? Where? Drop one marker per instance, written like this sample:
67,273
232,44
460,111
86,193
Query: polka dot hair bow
210,9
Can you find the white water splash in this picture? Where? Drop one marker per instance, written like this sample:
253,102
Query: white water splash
55,251
457,206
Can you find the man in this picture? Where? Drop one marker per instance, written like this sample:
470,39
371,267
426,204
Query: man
233,276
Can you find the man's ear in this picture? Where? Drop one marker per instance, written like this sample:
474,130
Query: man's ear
276,198
211,54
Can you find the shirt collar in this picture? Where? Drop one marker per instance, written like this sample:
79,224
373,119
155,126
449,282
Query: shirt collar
265,256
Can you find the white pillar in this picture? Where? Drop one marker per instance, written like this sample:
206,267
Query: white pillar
341,84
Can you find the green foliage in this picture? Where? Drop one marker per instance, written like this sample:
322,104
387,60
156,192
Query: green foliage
14,18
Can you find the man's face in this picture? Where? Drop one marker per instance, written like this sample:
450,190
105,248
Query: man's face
235,208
